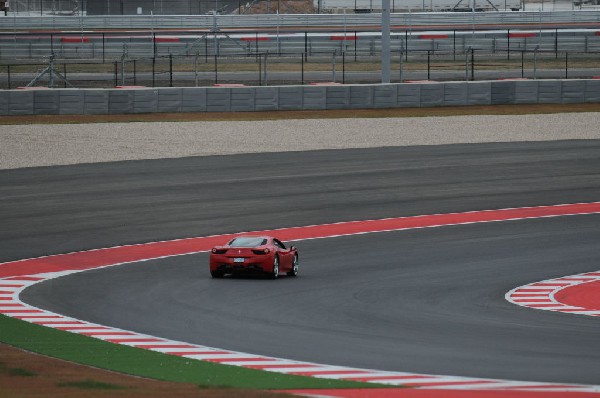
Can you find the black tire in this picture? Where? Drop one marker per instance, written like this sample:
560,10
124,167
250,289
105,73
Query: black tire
275,273
216,274
294,271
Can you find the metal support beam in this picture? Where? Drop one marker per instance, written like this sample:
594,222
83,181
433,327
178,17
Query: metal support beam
385,42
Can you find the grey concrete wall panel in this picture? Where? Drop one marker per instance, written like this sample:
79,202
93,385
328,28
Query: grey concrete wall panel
95,101
169,99
46,102
455,94
479,93
432,94
338,97
145,101
291,98
71,102
266,99
121,101
592,91
385,95
193,99
4,94
218,99
503,92
315,97
242,99
21,102
526,92
573,91
361,96
408,95
549,92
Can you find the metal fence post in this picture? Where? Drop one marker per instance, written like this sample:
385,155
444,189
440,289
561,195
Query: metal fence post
428,65
302,68
8,76
170,70
343,67
472,64
116,74
153,69
535,51
566,65
259,70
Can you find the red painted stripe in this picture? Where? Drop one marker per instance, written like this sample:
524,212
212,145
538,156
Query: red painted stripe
543,305
534,290
109,333
117,255
255,38
13,305
38,316
433,36
325,372
6,298
382,378
119,341
151,346
522,34
449,383
279,366
74,328
25,278
585,295
15,286
343,37
528,294
15,311
59,323
167,39
532,300
436,393
221,360
6,292
182,354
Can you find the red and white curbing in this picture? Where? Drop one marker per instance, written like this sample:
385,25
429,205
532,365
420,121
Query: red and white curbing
15,282
12,306
543,295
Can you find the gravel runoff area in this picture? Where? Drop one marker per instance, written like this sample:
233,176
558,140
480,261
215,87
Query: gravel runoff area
31,145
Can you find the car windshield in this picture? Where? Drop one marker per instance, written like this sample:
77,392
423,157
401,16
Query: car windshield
247,242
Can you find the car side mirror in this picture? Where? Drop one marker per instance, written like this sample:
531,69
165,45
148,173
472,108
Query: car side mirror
292,248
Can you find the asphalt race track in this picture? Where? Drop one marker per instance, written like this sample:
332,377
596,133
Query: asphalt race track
429,300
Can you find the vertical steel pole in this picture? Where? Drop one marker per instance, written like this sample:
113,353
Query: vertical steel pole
385,42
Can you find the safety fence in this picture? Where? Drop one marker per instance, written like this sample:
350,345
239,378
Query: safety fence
106,46
263,69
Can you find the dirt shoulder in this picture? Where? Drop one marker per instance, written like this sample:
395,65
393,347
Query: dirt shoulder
24,375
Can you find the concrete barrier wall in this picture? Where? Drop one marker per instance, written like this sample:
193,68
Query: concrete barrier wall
322,97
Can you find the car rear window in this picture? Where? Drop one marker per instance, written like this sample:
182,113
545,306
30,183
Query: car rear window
247,242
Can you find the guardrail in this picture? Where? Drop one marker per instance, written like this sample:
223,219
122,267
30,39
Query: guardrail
299,21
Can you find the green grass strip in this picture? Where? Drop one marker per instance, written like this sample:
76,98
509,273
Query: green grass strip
134,361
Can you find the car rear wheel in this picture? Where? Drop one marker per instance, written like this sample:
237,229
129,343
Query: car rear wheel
275,272
294,271
216,274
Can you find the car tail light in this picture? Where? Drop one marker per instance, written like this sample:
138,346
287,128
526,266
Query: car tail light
260,251
219,251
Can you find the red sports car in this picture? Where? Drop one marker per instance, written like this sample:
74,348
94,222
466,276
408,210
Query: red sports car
258,254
